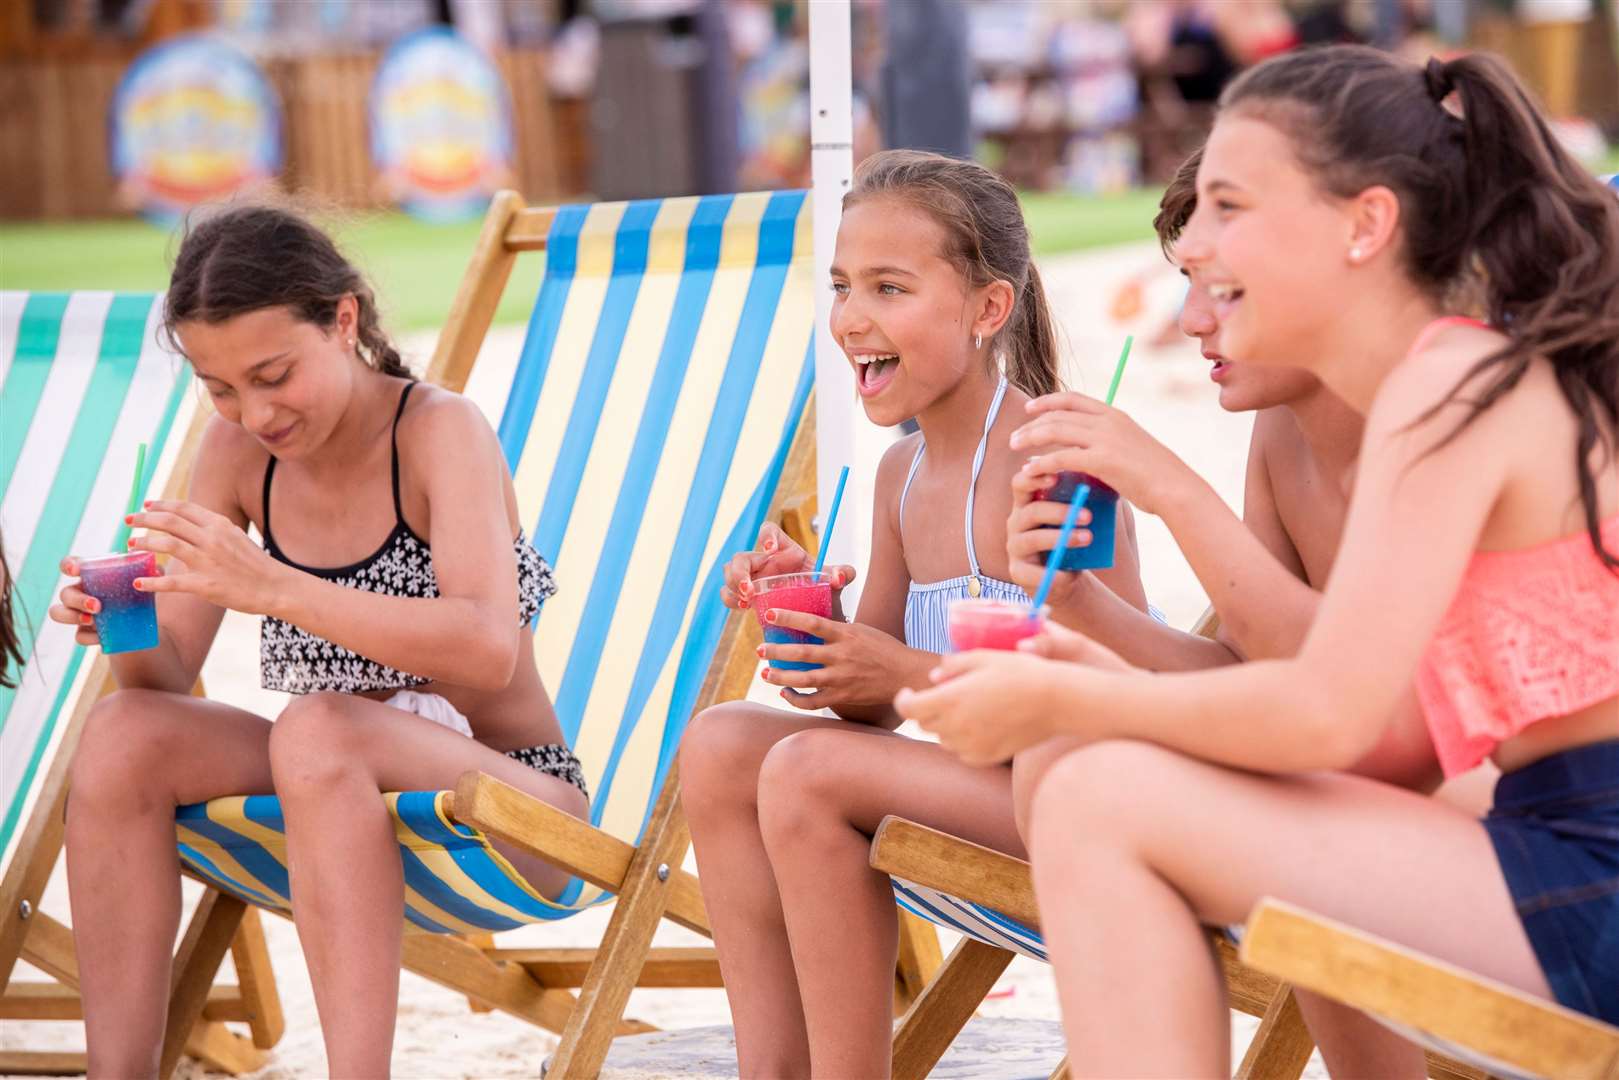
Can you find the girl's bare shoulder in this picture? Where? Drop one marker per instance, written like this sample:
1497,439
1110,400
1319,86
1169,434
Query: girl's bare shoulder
228,476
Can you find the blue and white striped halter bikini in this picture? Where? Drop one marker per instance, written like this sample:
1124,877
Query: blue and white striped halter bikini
927,606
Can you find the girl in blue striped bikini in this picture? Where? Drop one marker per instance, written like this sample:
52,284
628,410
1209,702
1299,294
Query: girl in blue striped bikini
941,313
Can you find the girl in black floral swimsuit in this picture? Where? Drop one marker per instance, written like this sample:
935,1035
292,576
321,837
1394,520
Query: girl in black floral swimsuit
397,592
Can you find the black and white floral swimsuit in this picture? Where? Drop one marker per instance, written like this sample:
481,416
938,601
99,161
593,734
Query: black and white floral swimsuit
294,660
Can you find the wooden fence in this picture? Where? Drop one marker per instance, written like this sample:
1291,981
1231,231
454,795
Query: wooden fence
54,137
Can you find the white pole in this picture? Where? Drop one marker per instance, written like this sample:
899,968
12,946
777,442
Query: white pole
838,419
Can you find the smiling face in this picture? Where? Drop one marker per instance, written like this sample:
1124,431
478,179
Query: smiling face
1243,386
902,313
285,380
1273,255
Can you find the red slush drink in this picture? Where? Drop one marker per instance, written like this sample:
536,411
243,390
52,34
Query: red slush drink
992,624
810,593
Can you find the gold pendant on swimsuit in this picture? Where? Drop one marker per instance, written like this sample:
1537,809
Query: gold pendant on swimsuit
973,587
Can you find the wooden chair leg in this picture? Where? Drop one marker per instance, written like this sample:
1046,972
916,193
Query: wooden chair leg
945,1007
919,960
617,967
1062,1071
256,979
206,940
480,941
1282,1046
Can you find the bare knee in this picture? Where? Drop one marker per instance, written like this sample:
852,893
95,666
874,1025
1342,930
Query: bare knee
1028,769
801,782
1091,793
312,745
720,754
129,742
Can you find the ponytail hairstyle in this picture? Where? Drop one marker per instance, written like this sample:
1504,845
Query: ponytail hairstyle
250,257
985,239
1487,196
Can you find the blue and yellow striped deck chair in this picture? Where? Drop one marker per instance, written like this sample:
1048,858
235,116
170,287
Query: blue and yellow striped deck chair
83,381
656,416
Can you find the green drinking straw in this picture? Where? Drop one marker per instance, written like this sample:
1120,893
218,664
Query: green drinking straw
1081,493
831,519
1118,372
135,484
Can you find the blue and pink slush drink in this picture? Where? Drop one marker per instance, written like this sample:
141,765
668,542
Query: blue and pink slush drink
991,624
809,592
127,621
1103,504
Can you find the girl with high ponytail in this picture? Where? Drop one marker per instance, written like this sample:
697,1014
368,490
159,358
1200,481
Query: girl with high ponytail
940,312
1416,237
397,594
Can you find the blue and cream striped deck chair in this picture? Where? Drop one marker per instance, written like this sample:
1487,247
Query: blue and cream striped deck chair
84,381
655,418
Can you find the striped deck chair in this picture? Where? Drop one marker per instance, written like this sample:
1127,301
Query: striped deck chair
657,416
1490,1027
83,381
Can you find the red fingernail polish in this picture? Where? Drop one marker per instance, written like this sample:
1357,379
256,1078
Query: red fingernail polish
137,585
761,652
129,519
770,616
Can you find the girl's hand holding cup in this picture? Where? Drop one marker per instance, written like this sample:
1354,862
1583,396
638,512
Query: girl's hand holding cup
75,607
221,564
856,662
775,553
1073,433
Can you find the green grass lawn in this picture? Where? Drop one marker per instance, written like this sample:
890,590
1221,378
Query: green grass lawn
1610,165
417,266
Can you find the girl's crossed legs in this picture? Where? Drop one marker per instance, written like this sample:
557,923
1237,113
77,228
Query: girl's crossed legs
329,757
1135,846
782,808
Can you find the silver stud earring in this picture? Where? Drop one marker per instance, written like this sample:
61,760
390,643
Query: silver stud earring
978,341
351,343
1354,254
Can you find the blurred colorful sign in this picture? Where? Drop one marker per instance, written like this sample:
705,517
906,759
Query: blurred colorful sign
192,120
441,131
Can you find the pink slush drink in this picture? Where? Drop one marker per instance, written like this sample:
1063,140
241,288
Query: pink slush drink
992,624
127,621
809,592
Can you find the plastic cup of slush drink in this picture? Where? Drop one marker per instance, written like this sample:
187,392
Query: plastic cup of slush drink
991,624
809,592
1103,505
127,621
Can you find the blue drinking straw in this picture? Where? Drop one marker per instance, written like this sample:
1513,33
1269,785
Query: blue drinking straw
831,519
1081,493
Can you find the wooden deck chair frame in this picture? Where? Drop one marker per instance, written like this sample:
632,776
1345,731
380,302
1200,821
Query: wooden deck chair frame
197,1008
538,985
1428,996
1280,1048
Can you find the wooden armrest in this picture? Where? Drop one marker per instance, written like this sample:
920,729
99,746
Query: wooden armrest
561,839
956,866
1432,996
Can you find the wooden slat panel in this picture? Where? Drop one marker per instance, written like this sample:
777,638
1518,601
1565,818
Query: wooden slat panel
1389,980
665,967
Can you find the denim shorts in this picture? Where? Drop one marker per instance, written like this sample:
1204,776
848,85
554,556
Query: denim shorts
1555,826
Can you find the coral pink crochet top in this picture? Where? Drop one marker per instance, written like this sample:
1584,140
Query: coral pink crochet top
1532,633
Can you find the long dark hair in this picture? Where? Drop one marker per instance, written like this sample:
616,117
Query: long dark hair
987,240
246,258
1486,194
10,643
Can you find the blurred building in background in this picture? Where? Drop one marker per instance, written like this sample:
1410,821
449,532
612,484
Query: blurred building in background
631,98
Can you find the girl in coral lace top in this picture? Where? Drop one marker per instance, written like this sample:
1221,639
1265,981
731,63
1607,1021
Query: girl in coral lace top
1350,192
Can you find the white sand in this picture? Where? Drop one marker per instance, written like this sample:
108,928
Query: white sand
1167,390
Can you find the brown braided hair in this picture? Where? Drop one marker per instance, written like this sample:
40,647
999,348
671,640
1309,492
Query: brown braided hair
249,257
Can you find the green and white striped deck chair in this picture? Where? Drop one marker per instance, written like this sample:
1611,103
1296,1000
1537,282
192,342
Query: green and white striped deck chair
658,402
83,381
